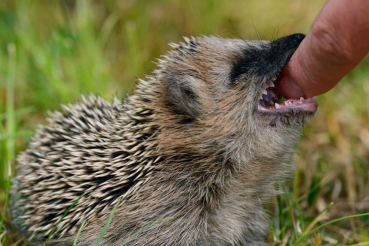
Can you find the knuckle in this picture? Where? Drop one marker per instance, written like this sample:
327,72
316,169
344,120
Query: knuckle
330,44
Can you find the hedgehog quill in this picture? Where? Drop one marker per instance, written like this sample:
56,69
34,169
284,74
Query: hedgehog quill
203,140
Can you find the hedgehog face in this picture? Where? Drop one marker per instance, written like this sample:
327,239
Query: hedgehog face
235,78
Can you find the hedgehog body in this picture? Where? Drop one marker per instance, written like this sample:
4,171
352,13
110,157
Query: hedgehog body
196,143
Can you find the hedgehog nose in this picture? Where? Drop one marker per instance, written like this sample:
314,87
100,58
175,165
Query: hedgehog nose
296,38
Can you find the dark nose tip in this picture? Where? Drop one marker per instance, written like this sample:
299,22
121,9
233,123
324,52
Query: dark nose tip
297,38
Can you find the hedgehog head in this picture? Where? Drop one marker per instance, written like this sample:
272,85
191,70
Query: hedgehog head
230,88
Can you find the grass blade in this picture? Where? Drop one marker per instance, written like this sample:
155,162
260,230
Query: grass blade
10,111
290,210
296,206
7,189
130,238
108,222
318,218
10,129
60,220
79,232
303,237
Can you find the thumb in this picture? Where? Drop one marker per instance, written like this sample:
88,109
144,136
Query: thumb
337,42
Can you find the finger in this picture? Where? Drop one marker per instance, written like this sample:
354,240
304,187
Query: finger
337,42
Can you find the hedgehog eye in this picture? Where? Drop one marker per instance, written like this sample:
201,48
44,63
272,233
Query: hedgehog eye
245,63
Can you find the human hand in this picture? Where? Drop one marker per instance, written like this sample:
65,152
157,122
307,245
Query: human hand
337,42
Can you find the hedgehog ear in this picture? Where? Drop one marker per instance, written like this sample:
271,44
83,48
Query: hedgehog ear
182,98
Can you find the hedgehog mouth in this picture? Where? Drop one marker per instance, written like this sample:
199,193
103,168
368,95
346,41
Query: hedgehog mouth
272,100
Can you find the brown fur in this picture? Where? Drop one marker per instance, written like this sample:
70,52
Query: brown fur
188,145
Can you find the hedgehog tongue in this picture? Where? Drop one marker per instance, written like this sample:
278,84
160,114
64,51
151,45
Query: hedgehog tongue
288,87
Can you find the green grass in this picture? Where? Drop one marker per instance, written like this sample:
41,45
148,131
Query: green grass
110,218
63,216
53,51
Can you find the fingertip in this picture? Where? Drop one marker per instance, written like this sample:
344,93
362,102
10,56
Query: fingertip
289,87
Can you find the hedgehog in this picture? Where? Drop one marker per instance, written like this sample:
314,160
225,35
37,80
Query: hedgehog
202,141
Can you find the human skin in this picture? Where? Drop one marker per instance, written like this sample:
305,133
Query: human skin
337,42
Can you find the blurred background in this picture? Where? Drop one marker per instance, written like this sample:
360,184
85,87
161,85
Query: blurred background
53,51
